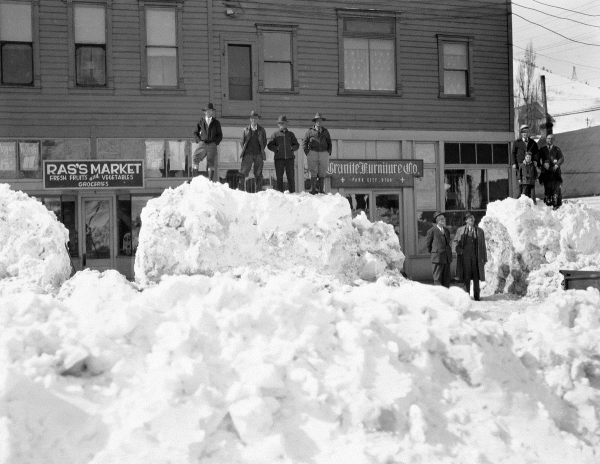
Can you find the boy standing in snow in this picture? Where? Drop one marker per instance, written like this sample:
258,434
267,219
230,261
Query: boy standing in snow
526,176
551,179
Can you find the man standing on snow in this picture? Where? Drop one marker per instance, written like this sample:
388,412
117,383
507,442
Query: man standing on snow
254,142
471,255
317,147
284,143
523,145
208,135
439,245
553,155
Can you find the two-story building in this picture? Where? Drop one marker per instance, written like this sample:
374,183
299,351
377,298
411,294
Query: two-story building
99,100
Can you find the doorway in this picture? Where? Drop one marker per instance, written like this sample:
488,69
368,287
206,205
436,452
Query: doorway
97,228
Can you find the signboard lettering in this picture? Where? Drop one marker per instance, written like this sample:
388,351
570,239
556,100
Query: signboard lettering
374,173
93,174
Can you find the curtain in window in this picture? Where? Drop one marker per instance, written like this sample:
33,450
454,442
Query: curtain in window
382,64
162,66
91,67
356,64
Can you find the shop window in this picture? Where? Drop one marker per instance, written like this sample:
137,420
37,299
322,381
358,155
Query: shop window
69,220
16,44
90,45
277,54
359,203
129,223
367,52
455,66
480,153
29,159
168,158
8,160
426,204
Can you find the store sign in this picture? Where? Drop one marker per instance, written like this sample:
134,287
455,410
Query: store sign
374,174
93,174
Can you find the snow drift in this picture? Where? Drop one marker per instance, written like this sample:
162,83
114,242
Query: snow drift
203,227
528,244
33,242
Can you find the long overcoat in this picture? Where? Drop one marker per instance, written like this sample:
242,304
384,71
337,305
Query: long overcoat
481,252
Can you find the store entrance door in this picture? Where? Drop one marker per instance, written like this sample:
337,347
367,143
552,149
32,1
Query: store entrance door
98,242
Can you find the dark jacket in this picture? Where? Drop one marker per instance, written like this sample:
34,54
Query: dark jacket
550,175
480,252
527,173
262,140
211,134
439,245
553,156
283,144
520,148
317,140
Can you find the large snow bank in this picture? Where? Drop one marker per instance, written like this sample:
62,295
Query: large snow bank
33,254
528,244
262,368
202,227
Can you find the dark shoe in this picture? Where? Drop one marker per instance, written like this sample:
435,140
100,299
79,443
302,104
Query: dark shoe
321,184
313,186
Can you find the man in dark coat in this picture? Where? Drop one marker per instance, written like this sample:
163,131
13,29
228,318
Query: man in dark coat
208,136
553,156
317,147
254,142
284,143
439,245
471,255
521,147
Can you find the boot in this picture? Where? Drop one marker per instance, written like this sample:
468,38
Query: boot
313,186
321,184
258,184
241,183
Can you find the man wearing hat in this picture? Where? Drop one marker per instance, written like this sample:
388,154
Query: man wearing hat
208,135
284,143
317,147
438,244
471,255
523,145
254,142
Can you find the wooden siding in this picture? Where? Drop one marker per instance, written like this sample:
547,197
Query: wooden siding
56,110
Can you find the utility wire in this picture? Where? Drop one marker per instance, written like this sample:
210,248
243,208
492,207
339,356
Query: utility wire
589,110
566,9
564,37
557,59
554,16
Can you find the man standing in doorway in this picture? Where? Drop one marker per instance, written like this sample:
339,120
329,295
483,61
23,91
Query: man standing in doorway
438,244
284,143
254,142
471,255
208,135
317,147
523,145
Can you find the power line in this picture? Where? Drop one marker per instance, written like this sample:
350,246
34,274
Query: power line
564,37
566,9
589,110
557,59
554,16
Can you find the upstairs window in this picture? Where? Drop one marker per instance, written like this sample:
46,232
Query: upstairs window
277,53
16,44
368,60
161,47
90,45
455,66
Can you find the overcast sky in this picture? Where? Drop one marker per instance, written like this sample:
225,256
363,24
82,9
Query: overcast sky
556,53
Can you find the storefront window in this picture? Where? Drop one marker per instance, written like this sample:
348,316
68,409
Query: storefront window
476,189
359,202
424,223
498,183
454,180
124,237
387,209
69,219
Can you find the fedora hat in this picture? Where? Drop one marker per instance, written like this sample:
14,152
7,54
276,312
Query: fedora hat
469,215
282,118
209,107
254,114
523,128
318,116
436,214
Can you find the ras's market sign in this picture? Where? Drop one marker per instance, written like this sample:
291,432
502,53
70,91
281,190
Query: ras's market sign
374,174
93,174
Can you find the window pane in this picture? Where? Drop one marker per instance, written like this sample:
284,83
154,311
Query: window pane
124,237
278,46
425,190
382,64
162,66
455,56
467,153
160,27
387,209
278,76
90,63
424,223
69,219
484,153
15,22
97,229
137,204
359,202
500,153
454,187
453,222
240,72
89,24
498,182
425,151
17,64
476,189
451,153
356,64
369,26
455,82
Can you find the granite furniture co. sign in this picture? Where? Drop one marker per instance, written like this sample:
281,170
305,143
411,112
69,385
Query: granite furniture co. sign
93,174
374,174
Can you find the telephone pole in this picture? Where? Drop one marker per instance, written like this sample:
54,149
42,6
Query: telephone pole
548,125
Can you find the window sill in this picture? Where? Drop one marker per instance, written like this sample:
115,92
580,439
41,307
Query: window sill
456,97
367,93
280,92
91,90
161,90
20,89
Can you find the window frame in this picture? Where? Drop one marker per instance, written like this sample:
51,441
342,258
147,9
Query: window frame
176,5
292,29
470,87
72,78
35,39
345,14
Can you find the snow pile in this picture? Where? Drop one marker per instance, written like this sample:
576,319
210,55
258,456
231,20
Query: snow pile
33,254
263,368
529,244
203,227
